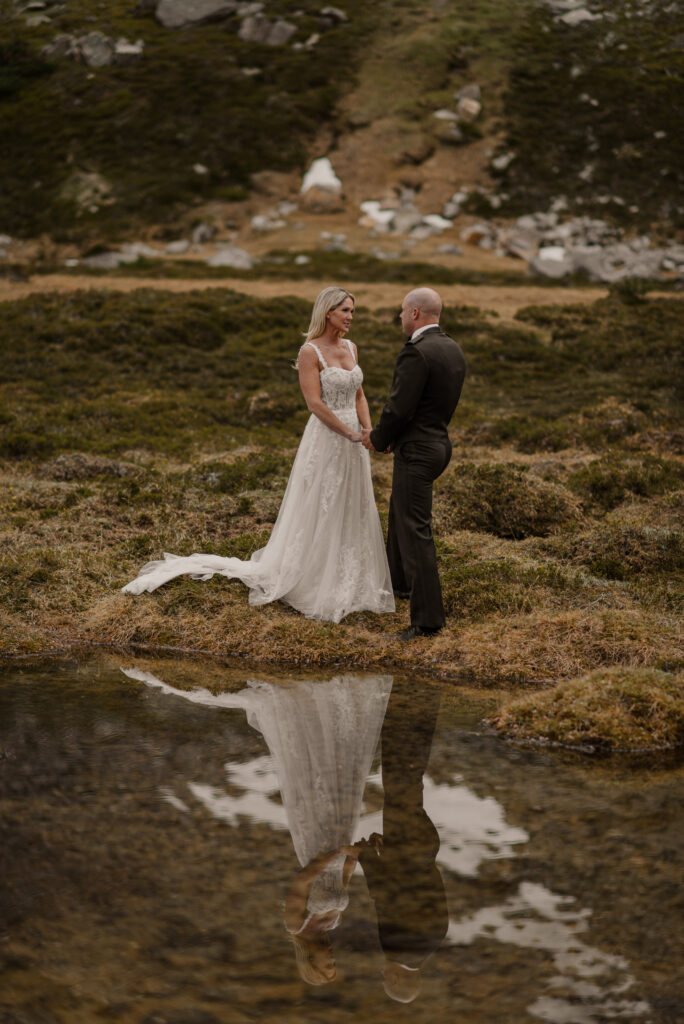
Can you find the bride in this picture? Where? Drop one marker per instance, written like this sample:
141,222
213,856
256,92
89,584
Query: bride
326,555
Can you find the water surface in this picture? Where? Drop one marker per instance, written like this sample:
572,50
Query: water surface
170,852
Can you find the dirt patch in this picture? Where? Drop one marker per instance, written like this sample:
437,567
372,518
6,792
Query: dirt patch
501,300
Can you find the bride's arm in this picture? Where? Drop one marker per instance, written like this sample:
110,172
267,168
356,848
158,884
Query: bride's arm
310,384
362,410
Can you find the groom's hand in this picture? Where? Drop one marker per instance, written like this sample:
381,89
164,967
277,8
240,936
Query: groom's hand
365,440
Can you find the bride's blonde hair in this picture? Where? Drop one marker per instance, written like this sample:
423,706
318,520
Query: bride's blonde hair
329,298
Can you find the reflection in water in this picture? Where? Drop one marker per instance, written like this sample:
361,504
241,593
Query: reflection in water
399,865
321,738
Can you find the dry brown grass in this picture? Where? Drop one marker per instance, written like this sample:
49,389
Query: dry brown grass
628,709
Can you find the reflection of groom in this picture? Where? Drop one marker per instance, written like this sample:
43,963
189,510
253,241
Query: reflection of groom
428,377
402,877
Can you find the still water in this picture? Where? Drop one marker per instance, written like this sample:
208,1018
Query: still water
190,843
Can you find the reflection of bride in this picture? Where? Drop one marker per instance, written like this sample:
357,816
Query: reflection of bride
322,738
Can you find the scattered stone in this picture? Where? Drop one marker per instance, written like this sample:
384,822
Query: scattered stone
200,169
321,175
5,240
258,28
449,249
445,115
335,13
202,233
231,256
551,262
301,259
138,249
178,247
109,260
469,109
376,215
452,208
286,207
267,222
469,92
579,16
334,243
128,53
63,45
95,49
251,72
476,234
434,220
88,191
181,13
500,163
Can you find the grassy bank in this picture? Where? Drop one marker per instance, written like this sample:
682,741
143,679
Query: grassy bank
147,422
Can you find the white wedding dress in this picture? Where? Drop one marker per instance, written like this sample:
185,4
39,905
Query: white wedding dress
326,554
322,737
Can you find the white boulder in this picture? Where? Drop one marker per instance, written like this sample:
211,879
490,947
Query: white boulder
321,175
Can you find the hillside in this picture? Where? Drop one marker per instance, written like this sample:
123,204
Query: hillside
188,120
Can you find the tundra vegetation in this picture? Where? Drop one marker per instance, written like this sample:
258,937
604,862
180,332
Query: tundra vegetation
146,422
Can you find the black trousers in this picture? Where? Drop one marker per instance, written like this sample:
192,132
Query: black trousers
410,544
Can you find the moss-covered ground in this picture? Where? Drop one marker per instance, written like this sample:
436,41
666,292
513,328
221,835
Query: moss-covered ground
152,421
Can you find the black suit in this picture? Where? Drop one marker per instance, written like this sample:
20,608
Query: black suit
402,876
428,377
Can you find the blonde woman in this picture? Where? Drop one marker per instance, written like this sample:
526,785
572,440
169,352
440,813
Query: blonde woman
326,554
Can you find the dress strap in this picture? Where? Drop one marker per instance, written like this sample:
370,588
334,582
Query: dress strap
351,349
318,353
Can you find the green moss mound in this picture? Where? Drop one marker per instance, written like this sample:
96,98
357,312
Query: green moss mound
617,477
502,499
616,709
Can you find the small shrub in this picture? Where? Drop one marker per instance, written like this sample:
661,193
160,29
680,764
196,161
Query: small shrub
614,477
608,710
502,499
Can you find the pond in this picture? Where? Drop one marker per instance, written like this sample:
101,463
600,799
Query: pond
186,842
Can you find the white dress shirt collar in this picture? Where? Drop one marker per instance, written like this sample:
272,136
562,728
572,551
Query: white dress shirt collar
417,333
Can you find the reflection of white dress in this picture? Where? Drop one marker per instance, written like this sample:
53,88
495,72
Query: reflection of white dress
326,555
322,738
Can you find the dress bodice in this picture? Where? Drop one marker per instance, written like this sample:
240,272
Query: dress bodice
338,386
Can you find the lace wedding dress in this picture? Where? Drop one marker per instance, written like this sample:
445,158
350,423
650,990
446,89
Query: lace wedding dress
326,554
322,737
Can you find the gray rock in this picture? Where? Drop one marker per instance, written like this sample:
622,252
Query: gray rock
5,240
335,13
231,256
181,13
469,92
469,109
202,233
109,260
449,249
79,466
541,266
128,53
96,49
61,46
260,29
405,219
178,247
140,249
579,16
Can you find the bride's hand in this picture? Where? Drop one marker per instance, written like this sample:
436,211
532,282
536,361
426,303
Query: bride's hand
353,435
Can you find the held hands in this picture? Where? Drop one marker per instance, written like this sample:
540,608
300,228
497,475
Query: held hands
365,439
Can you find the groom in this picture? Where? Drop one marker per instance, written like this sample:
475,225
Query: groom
428,377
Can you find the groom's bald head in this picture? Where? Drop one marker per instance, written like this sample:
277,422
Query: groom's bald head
420,307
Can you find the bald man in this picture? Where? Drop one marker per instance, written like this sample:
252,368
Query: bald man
428,377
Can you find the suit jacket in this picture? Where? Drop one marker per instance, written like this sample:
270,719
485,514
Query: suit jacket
428,377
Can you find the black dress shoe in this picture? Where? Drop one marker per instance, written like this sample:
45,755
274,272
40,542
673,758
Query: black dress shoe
414,631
